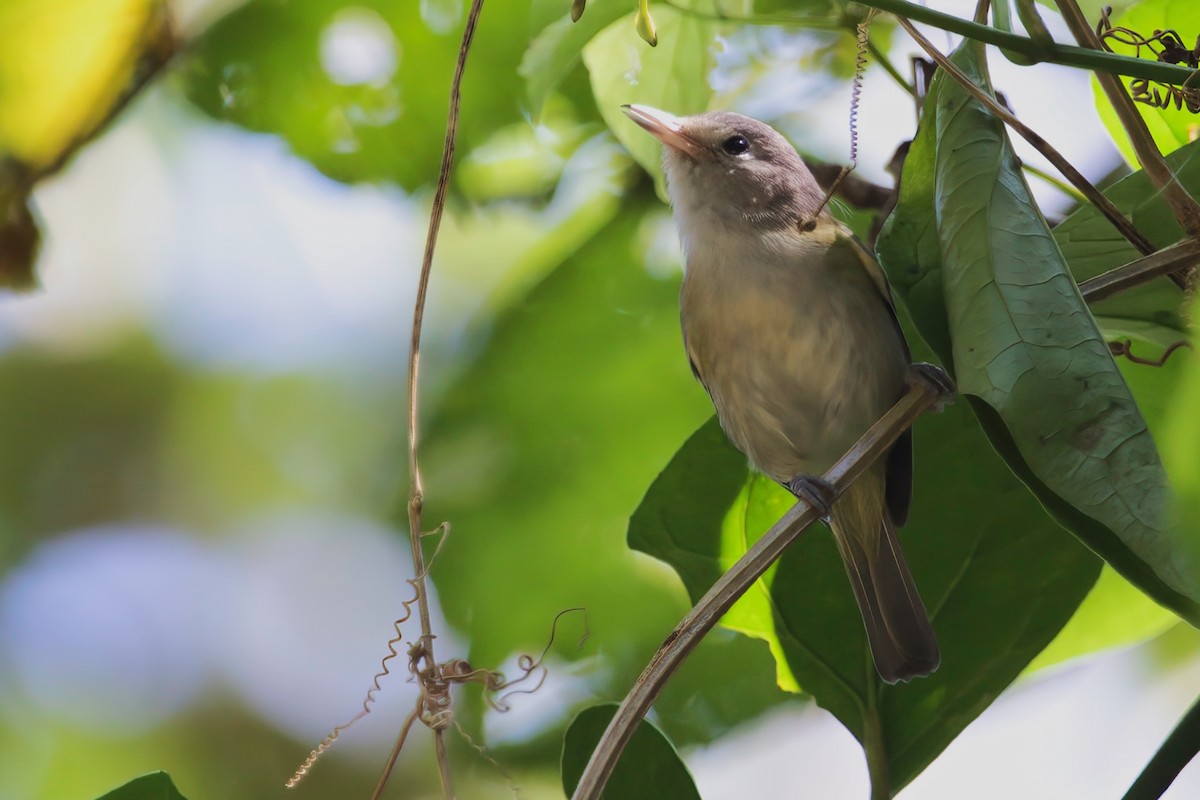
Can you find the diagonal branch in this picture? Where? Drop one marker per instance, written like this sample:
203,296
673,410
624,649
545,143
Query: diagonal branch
734,583
1179,258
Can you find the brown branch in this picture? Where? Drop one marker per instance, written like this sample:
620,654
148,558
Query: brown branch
1183,205
734,583
1102,203
1178,259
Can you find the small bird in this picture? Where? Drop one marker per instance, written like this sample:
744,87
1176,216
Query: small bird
788,323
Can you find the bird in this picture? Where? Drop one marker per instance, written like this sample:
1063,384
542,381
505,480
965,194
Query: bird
789,324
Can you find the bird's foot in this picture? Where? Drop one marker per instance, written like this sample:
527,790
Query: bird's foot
935,379
817,492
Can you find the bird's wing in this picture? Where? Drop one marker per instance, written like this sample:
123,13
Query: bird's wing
900,458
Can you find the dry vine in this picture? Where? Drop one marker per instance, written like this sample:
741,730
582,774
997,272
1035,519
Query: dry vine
1167,46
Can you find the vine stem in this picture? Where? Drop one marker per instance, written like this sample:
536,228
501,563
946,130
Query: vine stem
734,583
1067,55
416,495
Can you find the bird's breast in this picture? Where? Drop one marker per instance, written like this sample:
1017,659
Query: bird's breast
799,354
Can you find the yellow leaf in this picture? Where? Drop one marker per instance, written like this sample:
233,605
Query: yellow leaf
63,64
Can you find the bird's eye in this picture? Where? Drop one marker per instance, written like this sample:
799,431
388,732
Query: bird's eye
735,145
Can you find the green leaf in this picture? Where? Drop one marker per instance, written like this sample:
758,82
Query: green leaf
1181,443
266,67
999,577
555,52
649,766
702,514
1028,353
152,786
1170,127
1115,614
673,76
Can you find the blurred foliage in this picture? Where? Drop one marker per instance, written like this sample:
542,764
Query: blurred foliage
567,405
267,66
64,68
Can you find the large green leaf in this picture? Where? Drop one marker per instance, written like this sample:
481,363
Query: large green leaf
264,67
999,577
702,514
649,767
152,786
1024,346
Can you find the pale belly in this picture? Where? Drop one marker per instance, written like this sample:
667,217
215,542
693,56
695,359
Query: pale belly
797,373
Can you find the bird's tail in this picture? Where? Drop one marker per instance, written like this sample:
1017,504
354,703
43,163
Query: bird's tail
898,629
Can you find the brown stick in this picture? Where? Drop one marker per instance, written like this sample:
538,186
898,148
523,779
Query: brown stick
1178,259
734,583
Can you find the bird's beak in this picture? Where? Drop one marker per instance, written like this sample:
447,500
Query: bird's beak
667,128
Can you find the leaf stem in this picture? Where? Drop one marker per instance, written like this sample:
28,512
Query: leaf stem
877,766
734,583
1066,55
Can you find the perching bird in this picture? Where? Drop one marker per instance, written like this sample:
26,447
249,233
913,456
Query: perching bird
788,323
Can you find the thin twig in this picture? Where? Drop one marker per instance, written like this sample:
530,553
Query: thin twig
1183,205
395,754
1102,203
416,495
439,747
1177,259
734,583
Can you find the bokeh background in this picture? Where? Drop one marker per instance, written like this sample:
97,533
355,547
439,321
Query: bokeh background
201,415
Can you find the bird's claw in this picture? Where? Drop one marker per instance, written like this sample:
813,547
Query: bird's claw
935,379
818,492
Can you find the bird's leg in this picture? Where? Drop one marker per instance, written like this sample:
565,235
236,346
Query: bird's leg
933,378
818,492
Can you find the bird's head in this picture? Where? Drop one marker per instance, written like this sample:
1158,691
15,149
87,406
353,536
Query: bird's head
726,167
